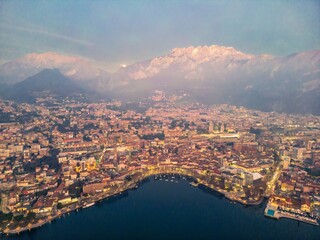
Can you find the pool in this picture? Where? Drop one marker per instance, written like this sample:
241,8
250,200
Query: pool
270,212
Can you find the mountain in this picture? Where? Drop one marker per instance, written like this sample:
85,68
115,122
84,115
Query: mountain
210,74
74,68
186,61
48,81
215,74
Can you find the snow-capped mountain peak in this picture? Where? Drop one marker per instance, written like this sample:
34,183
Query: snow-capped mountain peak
49,58
208,52
76,68
188,60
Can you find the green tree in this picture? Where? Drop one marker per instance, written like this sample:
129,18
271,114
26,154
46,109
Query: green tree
59,206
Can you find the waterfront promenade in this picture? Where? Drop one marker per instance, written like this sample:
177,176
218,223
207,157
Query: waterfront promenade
273,211
124,187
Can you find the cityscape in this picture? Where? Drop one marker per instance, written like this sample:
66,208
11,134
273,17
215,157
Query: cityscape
61,155
162,119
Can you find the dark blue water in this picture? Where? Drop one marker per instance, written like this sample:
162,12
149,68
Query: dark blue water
167,210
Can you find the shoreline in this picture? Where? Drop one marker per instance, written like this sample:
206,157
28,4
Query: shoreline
103,196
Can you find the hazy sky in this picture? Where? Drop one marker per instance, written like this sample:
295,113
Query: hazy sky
122,32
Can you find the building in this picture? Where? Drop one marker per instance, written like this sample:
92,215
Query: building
248,179
286,162
298,153
93,187
210,127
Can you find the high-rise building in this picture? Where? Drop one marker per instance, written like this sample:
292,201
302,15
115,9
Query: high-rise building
210,127
222,127
298,153
286,162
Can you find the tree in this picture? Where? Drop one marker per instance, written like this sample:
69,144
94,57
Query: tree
5,217
255,131
276,157
30,216
18,218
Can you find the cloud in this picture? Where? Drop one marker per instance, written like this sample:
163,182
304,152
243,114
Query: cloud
37,30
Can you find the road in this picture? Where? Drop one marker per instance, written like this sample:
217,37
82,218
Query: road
272,183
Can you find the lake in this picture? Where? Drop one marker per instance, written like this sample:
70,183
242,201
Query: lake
161,209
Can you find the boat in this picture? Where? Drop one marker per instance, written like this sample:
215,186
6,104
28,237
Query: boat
194,184
89,205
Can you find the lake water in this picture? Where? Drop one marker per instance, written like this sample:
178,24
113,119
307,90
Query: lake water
170,210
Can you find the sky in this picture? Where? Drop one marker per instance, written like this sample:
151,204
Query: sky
116,32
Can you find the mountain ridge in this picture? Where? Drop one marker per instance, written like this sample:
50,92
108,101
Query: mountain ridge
50,81
76,68
211,74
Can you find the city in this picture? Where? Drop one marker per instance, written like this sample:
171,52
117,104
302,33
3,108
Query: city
162,119
59,155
